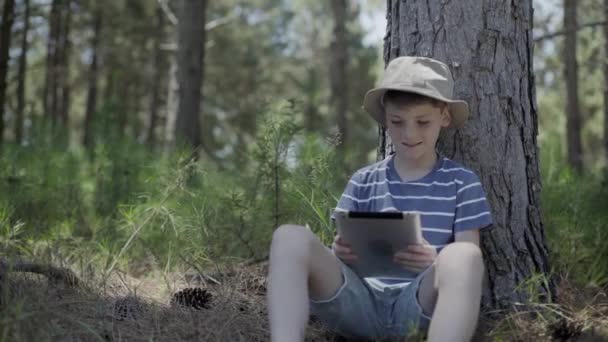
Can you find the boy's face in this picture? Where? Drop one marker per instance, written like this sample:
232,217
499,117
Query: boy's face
414,129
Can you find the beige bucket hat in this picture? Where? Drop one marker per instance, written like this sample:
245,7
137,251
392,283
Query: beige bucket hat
420,75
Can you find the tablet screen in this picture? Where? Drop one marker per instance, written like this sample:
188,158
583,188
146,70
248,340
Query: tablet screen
376,236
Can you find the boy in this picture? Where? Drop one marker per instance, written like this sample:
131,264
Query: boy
441,284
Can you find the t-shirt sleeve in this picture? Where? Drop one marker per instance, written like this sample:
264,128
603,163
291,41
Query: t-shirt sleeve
472,208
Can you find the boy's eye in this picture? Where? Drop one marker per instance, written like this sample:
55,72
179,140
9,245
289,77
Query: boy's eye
396,122
423,123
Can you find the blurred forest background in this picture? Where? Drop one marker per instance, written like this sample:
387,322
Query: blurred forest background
96,131
156,135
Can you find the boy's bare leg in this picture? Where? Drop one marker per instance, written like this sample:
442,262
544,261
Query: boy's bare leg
452,292
300,268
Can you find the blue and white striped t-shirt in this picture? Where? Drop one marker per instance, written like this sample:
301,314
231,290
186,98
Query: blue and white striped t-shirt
449,199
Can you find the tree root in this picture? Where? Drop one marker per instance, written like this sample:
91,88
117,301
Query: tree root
55,275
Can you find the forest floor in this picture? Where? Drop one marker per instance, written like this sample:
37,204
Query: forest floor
230,306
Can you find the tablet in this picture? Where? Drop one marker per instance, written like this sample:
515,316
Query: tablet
376,236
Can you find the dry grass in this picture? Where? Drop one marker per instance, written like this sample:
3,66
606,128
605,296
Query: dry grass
579,314
130,309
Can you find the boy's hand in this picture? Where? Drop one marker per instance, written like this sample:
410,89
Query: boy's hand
416,257
342,250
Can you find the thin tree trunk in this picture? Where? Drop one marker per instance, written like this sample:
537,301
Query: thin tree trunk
172,103
93,75
491,60
338,71
51,84
310,85
63,65
111,75
311,88
21,77
136,124
50,46
190,62
573,124
159,68
8,17
606,86
126,100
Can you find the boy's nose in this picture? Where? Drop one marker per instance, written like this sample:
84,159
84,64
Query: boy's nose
409,133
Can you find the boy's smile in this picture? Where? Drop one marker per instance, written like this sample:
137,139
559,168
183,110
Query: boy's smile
414,130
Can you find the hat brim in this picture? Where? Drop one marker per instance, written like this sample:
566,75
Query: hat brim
459,110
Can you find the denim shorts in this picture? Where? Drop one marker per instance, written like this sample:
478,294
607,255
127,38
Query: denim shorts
362,311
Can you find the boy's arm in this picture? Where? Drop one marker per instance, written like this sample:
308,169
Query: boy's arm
471,235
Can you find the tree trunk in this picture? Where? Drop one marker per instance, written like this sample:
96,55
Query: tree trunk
338,70
50,94
63,66
128,93
93,75
573,124
488,46
190,61
159,68
606,87
311,90
21,77
8,17
172,103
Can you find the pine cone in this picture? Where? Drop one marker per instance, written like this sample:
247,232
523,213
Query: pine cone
128,308
196,298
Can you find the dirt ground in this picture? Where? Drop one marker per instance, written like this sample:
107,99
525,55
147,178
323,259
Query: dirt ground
230,306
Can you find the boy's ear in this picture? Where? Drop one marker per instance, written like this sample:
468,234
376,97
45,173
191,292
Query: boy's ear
446,117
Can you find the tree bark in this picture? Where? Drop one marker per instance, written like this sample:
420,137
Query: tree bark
606,86
190,62
8,17
93,75
159,68
19,115
573,123
488,46
338,70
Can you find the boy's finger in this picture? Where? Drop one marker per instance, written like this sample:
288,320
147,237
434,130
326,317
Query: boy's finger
341,249
414,265
412,256
409,256
413,268
425,249
402,255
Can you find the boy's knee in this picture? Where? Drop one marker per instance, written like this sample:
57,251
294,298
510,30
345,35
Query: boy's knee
460,260
292,232
464,252
292,238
